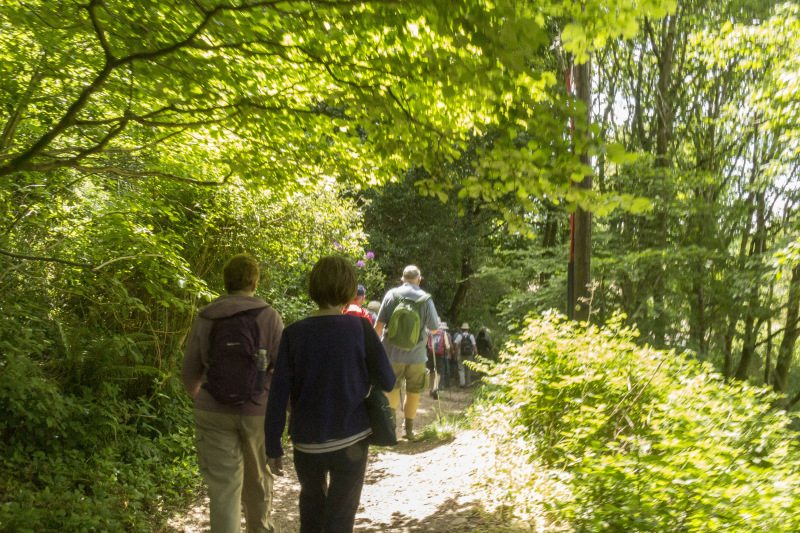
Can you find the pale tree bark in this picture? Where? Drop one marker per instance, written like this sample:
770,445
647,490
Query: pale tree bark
664,50
757,248
735,313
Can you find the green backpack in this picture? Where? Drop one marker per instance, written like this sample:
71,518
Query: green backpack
405,323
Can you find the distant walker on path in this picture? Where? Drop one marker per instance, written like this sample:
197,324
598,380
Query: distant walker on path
466,350
354,308
409,303
484,343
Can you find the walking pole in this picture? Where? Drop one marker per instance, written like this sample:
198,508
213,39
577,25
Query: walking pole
460,363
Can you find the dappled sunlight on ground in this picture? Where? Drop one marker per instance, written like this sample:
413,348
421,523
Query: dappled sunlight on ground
425,485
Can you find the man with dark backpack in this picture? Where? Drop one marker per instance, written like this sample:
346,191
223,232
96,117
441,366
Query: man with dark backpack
227,366
466,349
404,314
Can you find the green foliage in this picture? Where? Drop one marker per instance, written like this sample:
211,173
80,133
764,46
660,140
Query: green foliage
442,429
91,461
405,228
284,97
769,47
95,427
643,440
697,271
529,279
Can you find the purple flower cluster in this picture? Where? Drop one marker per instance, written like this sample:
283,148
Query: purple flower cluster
360,263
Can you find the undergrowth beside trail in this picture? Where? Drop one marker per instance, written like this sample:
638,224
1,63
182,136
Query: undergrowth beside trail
90,462
609,436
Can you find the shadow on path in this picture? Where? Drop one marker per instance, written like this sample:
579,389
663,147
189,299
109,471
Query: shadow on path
452,516
415,486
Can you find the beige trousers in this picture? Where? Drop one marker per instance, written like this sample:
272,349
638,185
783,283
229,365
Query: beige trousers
233,462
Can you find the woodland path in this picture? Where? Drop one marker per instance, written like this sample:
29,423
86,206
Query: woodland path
420,486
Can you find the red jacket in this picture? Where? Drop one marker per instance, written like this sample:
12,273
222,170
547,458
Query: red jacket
356,310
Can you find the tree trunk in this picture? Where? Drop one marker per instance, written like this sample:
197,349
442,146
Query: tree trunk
735,312
697,324
550,232
665,47
463,286
768,356
583,219
757,248
790,333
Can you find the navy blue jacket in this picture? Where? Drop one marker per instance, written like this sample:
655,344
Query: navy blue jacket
322,371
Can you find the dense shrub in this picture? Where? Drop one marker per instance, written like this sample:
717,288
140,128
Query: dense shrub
88,463
95,427
642,440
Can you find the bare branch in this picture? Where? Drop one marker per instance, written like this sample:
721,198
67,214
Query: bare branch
16,115
131,174
101,265
22,161
103,142
74,263
413,119
46,259
98,30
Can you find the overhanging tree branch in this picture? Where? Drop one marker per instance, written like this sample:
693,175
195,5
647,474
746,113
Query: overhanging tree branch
46,259
132,174
74,263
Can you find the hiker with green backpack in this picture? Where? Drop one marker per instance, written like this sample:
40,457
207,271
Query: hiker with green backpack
403,316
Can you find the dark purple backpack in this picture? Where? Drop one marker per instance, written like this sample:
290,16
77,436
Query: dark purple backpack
237,367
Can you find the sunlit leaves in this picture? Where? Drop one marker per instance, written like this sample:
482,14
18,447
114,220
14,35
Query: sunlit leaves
243,87
772,48
643,440
593,24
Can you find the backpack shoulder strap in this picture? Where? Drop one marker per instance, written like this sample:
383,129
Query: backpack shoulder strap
419,303
254,314
369,353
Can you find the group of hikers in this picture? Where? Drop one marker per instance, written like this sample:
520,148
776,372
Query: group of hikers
247,375
446,355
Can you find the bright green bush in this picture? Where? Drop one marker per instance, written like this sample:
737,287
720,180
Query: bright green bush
88,463
642,440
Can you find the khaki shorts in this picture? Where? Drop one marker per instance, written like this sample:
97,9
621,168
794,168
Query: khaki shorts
416,377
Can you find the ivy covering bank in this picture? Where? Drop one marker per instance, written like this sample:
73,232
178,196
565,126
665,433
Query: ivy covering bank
635,439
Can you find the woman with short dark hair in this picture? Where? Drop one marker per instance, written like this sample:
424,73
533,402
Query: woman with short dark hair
322,373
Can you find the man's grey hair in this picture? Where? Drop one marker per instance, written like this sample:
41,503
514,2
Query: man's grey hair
411,273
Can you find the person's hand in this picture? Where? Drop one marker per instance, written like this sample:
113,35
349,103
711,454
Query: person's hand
275,466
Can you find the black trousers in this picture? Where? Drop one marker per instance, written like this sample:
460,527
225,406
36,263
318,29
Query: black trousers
442,365
330,507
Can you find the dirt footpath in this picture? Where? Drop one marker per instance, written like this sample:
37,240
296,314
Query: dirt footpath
412,487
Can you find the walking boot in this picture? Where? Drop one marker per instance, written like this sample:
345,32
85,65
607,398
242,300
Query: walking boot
409,429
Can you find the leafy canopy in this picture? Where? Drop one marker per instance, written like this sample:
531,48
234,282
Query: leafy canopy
278,93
